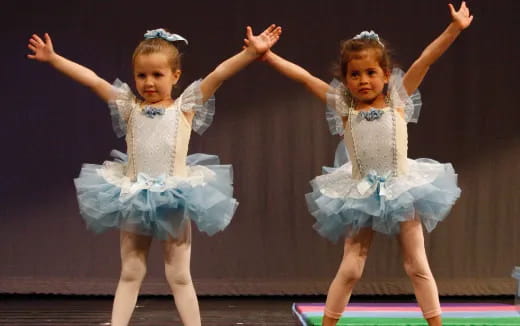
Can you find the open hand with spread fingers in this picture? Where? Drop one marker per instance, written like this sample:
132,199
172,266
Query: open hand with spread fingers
462,18
42,50
264,41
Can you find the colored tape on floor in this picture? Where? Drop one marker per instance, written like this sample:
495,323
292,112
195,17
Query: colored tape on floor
408,314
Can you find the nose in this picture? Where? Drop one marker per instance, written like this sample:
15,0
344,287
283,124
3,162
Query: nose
148,81
363,79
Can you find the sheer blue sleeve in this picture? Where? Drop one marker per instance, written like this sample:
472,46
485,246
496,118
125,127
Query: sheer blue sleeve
191,101
121,105
336,107
411,104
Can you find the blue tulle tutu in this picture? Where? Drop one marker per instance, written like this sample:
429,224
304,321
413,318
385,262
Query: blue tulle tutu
160,206
342,205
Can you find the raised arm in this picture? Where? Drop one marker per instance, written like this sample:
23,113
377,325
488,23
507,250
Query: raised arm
44,52
461,19
259,45
317,86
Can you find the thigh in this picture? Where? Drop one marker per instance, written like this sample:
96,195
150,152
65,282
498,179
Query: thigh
134,245
411,239
177,251
359,244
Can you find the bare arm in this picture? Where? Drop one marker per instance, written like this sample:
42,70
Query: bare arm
44,52
461,19
315,85
259,45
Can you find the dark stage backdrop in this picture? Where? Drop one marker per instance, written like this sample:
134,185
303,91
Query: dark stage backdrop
271,130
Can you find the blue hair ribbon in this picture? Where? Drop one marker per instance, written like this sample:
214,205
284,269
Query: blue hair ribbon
366,35
161,33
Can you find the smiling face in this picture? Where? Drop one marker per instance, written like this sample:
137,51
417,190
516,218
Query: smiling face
154,77
365,79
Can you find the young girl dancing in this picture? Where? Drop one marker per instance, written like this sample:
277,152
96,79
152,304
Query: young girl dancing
380,189
157,188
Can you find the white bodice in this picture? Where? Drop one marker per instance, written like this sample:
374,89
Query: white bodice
154,139
377,141
157,144
378,145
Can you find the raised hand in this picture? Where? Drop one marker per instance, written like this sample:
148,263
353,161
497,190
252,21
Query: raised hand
42,51
264,41
462,17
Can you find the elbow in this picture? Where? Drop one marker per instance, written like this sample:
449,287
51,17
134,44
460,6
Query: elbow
306,79
427,58
219,74
96,84
422,65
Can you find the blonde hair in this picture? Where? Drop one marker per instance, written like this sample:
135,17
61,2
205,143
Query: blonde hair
159,45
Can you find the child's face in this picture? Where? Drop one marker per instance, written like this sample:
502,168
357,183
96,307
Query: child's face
154,78
365,78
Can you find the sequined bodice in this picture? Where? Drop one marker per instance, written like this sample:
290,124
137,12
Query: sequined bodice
157,139
377,144
154,141
157,145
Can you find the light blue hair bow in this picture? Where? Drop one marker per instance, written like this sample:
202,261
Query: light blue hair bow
161,33
366,35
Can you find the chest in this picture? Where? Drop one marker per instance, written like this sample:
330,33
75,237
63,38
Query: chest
377,141
374,126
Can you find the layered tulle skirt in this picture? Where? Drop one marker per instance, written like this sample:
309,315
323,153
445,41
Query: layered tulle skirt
159,206
342,205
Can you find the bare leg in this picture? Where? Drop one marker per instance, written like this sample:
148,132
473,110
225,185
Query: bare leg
134,251
177,269
416,266
434,321
350,270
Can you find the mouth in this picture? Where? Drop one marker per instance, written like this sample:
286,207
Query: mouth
364,90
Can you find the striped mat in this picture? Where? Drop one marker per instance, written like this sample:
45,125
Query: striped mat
409,314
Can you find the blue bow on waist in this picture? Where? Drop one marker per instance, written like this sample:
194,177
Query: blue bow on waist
371,114
373,179
151,181
151,111
144,182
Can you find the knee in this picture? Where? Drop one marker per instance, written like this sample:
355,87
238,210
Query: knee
351,270
352,275
177,276
417,271
133,271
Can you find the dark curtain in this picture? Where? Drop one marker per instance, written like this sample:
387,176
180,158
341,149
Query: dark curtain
272,131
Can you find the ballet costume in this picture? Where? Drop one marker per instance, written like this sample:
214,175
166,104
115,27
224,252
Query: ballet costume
380,186
156,187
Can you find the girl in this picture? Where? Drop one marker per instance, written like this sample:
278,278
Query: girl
156,189
380,189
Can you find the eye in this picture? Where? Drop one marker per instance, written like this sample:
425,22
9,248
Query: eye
158,74
354,74
140,75
371,72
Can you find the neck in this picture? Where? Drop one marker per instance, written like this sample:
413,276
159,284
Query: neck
161,103
377,103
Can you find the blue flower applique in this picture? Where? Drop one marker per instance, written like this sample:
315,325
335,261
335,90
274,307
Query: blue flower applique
371,114
151,111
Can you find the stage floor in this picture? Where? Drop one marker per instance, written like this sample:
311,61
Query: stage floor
150,311
158,311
